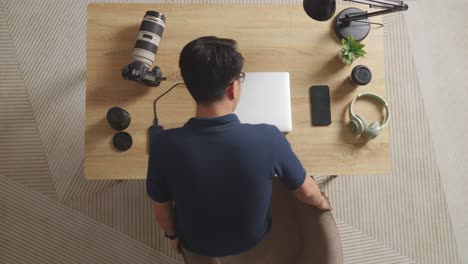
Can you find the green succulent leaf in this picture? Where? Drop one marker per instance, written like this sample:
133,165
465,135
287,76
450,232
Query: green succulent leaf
352,49
360,53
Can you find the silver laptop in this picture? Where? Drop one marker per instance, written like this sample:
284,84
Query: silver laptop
266,98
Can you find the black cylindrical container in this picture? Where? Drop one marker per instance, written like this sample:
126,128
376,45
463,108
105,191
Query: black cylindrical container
360,76
118,118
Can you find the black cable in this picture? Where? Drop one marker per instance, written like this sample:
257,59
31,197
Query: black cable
364,22
156,100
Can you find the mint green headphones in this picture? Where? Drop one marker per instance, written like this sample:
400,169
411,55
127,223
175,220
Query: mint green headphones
359,125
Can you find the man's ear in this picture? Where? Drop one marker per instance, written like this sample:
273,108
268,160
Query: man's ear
231,91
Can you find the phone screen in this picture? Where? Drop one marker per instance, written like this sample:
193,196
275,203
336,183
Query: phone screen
320,105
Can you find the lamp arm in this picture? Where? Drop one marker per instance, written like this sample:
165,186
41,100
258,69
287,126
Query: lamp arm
386,3
371,3
364,14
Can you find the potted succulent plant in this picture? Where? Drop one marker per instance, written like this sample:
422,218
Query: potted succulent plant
351,50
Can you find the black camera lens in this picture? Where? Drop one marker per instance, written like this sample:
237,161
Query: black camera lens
156,14
360,75
118,118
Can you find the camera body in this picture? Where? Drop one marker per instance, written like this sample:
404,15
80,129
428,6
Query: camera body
139,72
146,46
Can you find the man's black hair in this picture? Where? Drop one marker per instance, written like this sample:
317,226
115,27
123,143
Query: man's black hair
208,65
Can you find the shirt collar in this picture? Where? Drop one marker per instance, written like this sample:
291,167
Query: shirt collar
213,122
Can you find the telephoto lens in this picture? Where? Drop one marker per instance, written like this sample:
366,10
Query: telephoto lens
149,36
146,46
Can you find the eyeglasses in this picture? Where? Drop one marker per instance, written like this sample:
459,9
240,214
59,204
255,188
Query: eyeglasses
242,76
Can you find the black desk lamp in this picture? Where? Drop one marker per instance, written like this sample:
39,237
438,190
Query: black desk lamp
320,10
351,21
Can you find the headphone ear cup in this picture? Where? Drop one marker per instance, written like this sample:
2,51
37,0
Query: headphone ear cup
358,125
372,130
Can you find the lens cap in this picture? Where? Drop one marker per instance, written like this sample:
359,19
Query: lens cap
122,141
118,118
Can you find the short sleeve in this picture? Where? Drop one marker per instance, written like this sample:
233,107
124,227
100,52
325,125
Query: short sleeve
156,182
286,164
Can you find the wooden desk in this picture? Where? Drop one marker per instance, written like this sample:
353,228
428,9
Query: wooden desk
271,38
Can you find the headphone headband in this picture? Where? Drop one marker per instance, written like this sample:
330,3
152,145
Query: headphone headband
375,97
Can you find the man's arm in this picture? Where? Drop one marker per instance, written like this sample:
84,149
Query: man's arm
165,216
291,172
309,193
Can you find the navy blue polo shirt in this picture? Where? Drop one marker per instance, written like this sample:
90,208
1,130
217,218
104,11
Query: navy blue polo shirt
219,173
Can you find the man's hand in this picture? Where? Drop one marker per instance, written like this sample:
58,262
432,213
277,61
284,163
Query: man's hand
309,193
325,204
175,245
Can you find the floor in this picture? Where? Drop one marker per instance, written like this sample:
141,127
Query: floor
50,213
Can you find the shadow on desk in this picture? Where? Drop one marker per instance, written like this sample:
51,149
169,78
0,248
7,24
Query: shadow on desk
332,66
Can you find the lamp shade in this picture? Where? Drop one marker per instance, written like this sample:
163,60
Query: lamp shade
320,10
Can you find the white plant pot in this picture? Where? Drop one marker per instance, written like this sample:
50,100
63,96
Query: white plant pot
340,52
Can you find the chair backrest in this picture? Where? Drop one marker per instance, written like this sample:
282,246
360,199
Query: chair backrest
302,232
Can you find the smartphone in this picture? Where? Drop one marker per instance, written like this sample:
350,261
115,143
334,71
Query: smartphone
320,105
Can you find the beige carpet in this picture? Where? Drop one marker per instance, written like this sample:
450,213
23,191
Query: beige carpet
416,214
438,40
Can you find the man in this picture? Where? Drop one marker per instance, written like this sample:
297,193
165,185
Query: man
211,180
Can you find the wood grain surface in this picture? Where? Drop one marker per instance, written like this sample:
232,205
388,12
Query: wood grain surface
271,38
